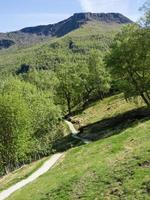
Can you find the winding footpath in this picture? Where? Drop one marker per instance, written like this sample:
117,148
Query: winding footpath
43,169
46,166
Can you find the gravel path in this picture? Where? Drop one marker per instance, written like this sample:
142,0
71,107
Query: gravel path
45,167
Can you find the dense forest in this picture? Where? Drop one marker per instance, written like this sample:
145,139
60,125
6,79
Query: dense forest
41,85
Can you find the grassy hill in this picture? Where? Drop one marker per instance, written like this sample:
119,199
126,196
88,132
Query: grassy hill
115,167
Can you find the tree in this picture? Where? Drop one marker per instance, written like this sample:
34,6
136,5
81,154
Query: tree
43,80
82,81
70,89
45,115
98,78
129,61
15,130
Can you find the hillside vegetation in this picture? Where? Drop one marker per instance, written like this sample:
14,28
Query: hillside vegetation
109,107
116,167
92,75
34,89
93,35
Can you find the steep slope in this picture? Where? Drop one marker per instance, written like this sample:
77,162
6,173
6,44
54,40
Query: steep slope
32,35
116,167
74,22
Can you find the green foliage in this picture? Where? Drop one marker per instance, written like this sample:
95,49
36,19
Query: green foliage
52,53
61,76
70,88
129,61
45,118
98,81
43,80
70,72
81,82
71,52
15,130
114,168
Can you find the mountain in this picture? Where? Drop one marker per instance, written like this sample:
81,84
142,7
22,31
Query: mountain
74,22
36,34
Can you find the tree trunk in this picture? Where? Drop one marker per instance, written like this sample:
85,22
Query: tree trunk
145,99
148,96
7,169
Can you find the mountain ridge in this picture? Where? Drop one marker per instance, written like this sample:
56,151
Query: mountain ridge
77,19
33,35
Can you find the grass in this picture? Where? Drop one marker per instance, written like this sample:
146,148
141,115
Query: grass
114,168
109,117
20,174
107,108
96,29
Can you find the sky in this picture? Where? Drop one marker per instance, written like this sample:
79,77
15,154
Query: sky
17,14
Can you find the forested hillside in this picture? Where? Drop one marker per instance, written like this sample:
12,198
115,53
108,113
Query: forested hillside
76,44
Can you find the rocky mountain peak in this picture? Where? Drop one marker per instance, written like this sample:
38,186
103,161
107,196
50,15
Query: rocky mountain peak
103,17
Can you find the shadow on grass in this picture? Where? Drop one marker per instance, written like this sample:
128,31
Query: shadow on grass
104,128
114,125
66,143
